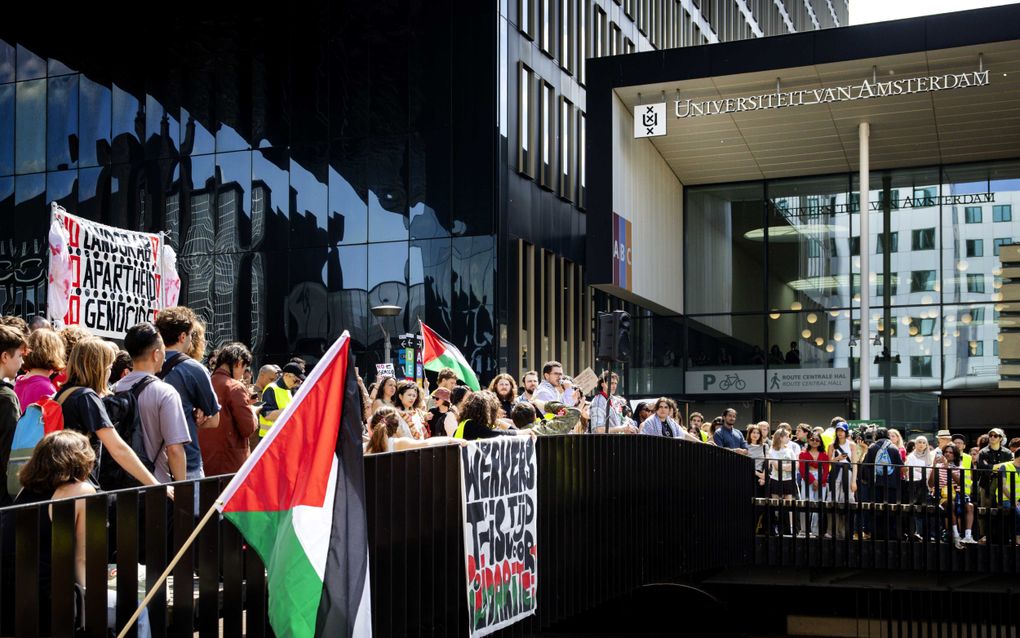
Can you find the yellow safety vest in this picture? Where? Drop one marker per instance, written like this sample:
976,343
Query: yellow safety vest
459,434
283,398
1006,467
968,477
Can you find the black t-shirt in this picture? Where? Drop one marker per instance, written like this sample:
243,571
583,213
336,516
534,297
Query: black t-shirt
84,412
436,421
473,431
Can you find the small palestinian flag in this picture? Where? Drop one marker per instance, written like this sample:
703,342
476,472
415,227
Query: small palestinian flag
438,353
299,501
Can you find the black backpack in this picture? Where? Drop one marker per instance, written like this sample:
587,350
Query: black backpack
123,410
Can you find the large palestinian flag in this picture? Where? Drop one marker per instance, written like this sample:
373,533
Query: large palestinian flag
299,502
438,353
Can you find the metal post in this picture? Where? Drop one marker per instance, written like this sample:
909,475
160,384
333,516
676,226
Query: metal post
863,131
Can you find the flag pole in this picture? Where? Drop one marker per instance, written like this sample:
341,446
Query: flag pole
166,572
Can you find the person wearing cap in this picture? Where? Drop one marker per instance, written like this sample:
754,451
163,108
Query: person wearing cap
277,396
442,419
989,457
966,462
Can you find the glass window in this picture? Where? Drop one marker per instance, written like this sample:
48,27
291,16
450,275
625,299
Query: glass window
525,17
726,342
967,364
1002,213
94,119
62,122
30,65
725,258
348,205
7,92
972,214
920,366
547,135
566,148
922,280
975,248
976,283
894,242
922,239
30,126
999,242
822,339
525,130
7,66
582,183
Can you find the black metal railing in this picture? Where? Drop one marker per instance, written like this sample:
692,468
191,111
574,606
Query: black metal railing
615,513
858,515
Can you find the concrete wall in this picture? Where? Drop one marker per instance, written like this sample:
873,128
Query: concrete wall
648,193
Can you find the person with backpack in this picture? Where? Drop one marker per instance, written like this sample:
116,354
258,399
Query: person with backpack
12,351
164,427
45,356
881,472
177,326
84,409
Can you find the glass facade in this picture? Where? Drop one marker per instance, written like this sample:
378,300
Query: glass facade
305,167
791,249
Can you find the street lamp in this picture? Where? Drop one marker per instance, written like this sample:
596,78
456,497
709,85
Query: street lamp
379,312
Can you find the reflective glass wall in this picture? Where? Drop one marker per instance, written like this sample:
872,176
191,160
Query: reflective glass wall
305,165
773,280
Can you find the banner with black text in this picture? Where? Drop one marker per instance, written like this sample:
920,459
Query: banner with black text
112,275
499,479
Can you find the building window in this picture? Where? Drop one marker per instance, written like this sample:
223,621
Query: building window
920,366
975,248
525,123
582,39
1002,213
922,280
975,283
566,148
922,239
1000,242
615,40
548,107
995,347
971,316
566,50
894,281
972,214
976,348
526,18
598,36
547,29
582,185
925,197
628,45
855,245
894,243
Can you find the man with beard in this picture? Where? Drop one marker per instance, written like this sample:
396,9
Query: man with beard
505,389
529,383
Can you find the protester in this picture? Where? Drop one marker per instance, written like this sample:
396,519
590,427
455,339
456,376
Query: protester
225,447
15,322
642,411
601,414
277,396
267,374
45,357
177,326
84,412
38,322
384,392
12,351
993,454
1014,445
70,335
505,389
442,418
384,428
478,418
842,479
882,479
661,424
549,389
896,439
695,422
198,344
411,407
919,463
1008,492
164,426
120,368
529,383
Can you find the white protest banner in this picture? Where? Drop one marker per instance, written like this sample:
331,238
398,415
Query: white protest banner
384,369
498,479
114,275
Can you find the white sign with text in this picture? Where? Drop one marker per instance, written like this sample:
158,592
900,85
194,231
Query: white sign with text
774,381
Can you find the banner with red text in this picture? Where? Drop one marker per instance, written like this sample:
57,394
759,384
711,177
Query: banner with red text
114,275
498,479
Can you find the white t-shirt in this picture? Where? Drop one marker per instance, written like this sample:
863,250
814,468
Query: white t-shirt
781,471
918,465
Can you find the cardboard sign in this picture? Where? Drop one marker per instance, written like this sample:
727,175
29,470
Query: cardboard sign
499,479
384,368
115,276
586,381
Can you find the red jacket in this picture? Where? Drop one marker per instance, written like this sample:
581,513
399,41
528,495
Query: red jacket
225,447
808,463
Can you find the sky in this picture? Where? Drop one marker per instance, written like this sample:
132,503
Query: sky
862,11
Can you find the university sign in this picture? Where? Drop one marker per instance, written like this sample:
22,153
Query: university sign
649,120
807,97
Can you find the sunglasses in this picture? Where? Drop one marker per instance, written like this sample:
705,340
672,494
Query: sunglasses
995,436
